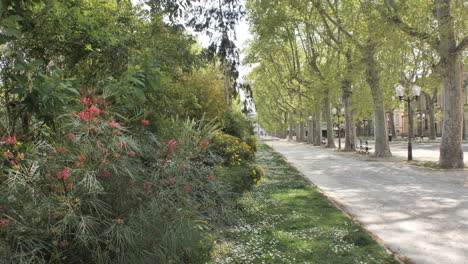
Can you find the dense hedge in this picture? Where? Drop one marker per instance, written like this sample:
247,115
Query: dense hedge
108,190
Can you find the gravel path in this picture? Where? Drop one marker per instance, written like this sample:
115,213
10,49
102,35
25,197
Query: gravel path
418,213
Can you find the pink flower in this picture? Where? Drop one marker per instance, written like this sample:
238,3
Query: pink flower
5,223
105,150
61,150
11,140
145,122
71,136
172,143
172,180
106,174
114,124
123,144
163,162
63,174
188,188
131,153
205,143
86,101
93,110
85,116
64,243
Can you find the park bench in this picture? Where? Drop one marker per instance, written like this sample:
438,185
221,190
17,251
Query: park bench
364,148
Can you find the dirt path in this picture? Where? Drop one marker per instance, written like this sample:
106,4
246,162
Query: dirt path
418,213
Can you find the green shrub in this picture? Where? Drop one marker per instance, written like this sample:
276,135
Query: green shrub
108,191
252,142
241,177
235,124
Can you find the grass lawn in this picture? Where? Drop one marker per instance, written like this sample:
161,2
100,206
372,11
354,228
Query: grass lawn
286,220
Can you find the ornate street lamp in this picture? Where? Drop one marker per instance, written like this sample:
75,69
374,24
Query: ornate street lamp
400,91
338,115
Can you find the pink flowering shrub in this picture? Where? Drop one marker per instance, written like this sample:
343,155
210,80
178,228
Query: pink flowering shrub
108,190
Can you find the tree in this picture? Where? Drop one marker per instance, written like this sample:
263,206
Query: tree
442,39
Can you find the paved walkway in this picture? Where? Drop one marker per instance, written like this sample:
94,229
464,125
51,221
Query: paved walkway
418,213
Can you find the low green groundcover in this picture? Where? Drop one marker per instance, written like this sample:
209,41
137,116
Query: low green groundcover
286,220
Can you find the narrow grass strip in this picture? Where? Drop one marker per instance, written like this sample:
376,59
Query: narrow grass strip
286,220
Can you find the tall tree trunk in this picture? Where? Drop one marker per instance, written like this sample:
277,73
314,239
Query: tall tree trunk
284,132
317,127
301,132
310,130
382,148
328,115
350,124
392,121
297,131
291,126
451,153
430,100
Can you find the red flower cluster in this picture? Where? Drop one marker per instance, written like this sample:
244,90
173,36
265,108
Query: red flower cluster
5,223
205,143
106,174
147,187
64,174
114,124
188,188
171,180
172,143
131,153
10,140
62,150
145,122
89,113
71,136
64,243
86,101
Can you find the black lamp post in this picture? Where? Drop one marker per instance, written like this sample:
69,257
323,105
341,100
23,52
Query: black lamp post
338,115
400,91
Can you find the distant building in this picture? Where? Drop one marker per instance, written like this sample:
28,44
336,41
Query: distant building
421,126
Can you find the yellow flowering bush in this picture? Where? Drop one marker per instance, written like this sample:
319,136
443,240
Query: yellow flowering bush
234,151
